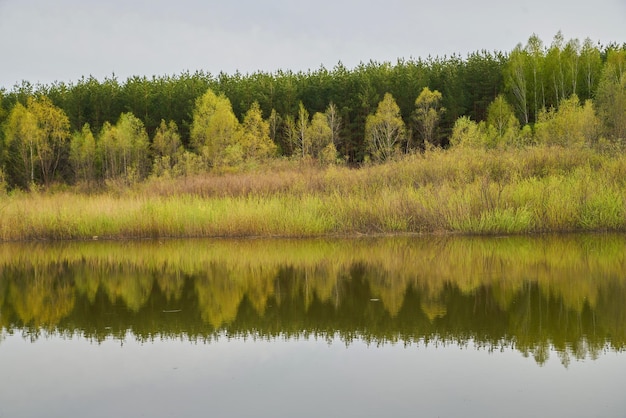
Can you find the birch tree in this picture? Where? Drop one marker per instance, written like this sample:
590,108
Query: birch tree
166,148
124,148
536,54
215,127
302,128
571,58
611,96
51,136
255,136
384,130
83,155
20,144
37,137
428,112
591,67
516,81
320,135
334,122
555,68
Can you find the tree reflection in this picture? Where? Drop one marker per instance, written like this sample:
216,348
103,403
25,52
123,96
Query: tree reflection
40,298
533,294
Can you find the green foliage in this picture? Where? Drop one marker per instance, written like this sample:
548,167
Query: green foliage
571,125
499,113
83,155
302,143
328,155
36,137
466,133
256,144
466,189
290,135
215,128
591,68
531,78
384,130
52,136
20,146
320,135
274,123
538,77
333,118
124,149
166,141
501,118
428,112
166,148
516,81
611,96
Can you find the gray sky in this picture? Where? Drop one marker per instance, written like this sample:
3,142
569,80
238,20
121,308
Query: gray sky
62,40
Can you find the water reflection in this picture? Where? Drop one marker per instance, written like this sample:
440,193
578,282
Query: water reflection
530,294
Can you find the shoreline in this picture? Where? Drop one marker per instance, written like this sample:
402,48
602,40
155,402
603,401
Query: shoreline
504,192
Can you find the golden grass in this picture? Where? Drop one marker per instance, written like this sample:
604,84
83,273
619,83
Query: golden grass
531,190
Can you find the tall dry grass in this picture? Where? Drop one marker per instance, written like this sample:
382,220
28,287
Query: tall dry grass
474,191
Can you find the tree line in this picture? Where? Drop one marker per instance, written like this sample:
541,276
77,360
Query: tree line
91,130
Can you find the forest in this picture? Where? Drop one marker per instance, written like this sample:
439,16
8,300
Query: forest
93,132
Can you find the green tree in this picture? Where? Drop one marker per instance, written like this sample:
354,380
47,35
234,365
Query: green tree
591,67
83,155
517,81
52,137
611,96
499,113
36,137
501,117
20,146
124,149
333,118
302,124
274,121
562,67
215,128
428,113
571,58
572,124
502,127
467,133
166,147
384,130
166,141
255,136
320,136
3,111
290,135
536,55
135,146
139,96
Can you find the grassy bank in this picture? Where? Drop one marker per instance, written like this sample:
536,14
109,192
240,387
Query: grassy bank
462,190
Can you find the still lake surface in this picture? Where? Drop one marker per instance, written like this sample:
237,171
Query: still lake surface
369,327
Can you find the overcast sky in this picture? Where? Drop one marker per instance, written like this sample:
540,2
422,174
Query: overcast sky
61,40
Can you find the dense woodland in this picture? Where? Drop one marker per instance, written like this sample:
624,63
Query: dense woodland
88,132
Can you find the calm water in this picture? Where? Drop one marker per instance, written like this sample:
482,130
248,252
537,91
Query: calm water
385,327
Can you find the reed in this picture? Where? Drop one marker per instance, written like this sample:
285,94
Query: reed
539,189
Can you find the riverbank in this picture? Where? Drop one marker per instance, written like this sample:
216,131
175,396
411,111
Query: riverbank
532,190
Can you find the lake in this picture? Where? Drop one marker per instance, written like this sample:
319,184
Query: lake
364,327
